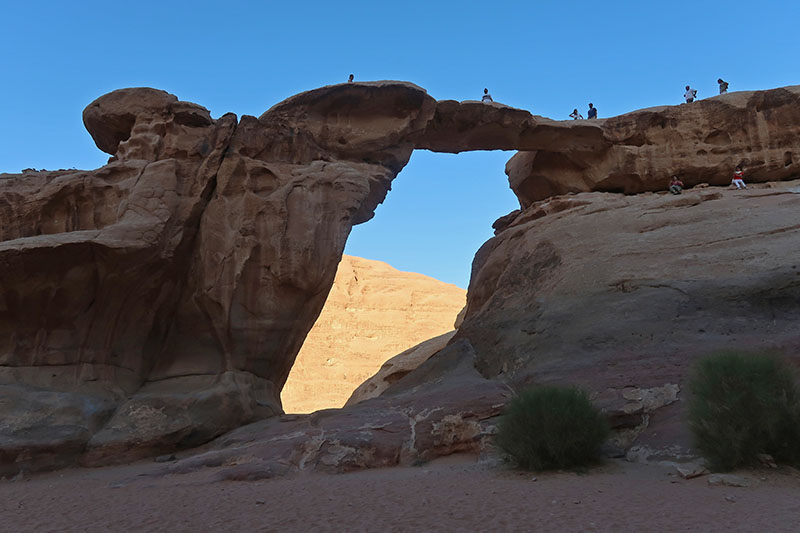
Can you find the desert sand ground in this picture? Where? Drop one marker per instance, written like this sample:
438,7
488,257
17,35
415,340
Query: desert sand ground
452,494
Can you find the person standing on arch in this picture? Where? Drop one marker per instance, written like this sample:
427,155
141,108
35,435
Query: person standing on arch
690,94
723,86
486,96
575,115
592,113
350,79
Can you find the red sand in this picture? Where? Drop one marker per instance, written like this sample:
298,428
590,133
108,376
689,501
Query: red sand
454,494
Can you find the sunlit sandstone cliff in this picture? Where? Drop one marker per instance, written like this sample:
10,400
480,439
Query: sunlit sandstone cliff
372,313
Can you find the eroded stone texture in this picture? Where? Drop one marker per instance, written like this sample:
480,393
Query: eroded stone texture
179,281
161,299
92,263
470,125
397,367
700,142
414,421
622,293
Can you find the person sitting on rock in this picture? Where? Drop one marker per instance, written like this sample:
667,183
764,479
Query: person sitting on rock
575,115
723,86
690,94
738,178
675,185
486,96
592,113
350,79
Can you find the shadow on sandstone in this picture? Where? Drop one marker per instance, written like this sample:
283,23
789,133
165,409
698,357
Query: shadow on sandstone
159,301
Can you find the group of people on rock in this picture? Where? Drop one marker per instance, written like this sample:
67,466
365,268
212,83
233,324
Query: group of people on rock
676,185
690,94
592,113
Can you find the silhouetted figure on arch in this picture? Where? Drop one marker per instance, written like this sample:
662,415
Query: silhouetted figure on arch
690,94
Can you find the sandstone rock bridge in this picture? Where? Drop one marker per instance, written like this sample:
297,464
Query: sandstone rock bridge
160,300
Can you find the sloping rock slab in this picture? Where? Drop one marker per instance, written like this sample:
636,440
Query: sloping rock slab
416,423
621,294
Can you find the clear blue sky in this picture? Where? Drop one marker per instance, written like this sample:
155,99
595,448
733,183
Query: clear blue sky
545,56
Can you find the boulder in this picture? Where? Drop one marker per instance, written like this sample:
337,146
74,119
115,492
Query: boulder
728,480
691,470
110,119
368,121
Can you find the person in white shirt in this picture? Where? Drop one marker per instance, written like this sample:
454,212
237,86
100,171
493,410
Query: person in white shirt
486,96
575,115
723,86
690,94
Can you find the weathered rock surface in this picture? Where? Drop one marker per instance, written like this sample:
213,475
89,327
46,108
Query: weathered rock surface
182,278
398,366
729,480
701,142
161,300
373,312
470,125
46,429
617,293
414,421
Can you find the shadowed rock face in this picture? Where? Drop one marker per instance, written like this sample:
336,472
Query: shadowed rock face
159,301
175,285
616,293
700,142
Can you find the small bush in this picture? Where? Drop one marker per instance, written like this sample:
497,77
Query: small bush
742,405
547,428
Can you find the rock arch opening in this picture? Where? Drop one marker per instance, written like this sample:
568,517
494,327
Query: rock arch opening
177,314
401,284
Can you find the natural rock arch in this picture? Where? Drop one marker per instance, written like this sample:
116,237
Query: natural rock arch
165,295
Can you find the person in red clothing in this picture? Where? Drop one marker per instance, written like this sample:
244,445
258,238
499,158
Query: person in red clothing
675,185
738,178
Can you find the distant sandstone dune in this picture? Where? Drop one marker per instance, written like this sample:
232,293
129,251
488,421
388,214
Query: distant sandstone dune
373,313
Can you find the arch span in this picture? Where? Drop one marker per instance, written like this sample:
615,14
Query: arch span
168,305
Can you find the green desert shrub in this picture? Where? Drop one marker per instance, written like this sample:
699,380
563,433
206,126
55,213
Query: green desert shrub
547,428
742,405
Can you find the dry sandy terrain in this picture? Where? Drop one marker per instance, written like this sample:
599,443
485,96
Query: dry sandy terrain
453,494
